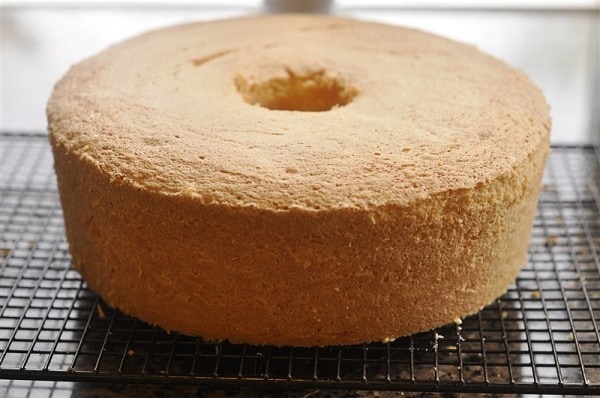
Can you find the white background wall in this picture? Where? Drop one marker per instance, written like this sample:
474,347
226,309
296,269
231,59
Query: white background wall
554,42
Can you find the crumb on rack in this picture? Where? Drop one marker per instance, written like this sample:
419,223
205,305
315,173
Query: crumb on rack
100,310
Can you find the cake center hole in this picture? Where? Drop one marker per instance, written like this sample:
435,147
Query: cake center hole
314,92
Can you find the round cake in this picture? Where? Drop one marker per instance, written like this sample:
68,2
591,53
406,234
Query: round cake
297,180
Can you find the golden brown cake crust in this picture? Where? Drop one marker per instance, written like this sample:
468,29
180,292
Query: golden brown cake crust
405,208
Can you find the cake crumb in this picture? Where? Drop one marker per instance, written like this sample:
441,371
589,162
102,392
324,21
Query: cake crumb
457,321
100,311
552,240
536,294
189,192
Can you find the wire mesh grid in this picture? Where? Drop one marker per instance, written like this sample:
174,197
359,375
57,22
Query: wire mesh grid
540,337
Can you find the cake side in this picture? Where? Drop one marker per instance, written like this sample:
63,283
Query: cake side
298,277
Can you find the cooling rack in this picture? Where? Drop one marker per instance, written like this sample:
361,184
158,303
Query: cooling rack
540,337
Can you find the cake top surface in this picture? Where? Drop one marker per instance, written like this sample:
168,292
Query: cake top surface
308,112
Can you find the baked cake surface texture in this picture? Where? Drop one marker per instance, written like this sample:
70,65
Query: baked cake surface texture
297,180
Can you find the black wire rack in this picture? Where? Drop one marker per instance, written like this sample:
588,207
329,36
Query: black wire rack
540,337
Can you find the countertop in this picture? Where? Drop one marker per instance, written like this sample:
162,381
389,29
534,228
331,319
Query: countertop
43,389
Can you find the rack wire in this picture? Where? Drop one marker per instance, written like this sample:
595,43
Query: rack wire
540,337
